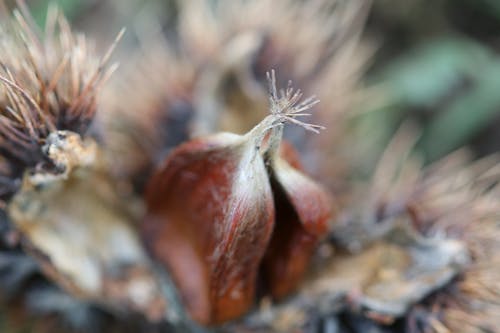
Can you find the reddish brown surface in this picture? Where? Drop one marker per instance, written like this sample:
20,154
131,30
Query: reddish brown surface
291,155
290,248
303,210
209,232
210,218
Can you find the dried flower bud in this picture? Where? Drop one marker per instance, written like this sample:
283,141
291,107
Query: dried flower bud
211,213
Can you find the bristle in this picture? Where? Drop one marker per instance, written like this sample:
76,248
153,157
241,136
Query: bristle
451,199
316,44
321,27
216,50
47,83
146,108
288,105
465,202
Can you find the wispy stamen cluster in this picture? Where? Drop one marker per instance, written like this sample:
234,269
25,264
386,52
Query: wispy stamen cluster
286,105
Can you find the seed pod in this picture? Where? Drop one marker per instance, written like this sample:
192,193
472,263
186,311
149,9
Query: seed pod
303,210
210,217
211,212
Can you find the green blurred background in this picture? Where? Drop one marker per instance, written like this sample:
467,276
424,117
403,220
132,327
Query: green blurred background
439,61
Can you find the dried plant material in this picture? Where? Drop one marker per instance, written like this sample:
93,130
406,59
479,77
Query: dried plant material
383,281
146,109
69,216
407,238
211,211
465,198
240,51
211,77
324,26
383,198
294,238
232,217
409,267
66,206
228,96
219,247
46,84
79,230
316,43
48,309
452,199
303,207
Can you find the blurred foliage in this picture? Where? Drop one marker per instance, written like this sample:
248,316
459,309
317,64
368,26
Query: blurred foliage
71,8
439,65
449,83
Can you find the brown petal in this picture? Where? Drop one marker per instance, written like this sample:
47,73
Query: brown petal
303,212
210,217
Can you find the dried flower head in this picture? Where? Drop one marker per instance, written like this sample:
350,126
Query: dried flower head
48,82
